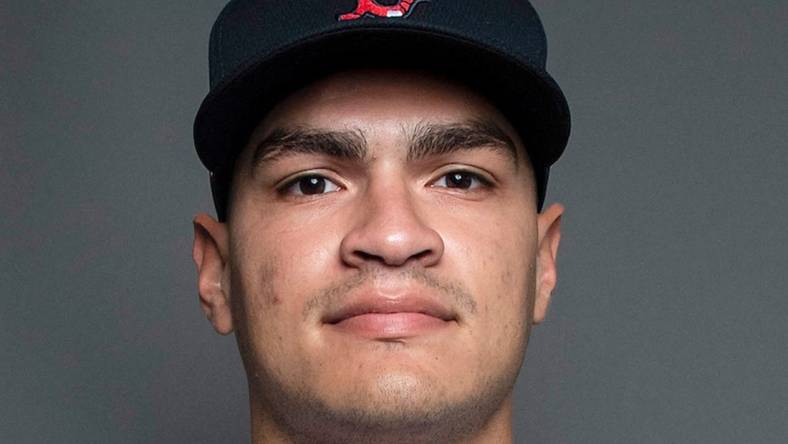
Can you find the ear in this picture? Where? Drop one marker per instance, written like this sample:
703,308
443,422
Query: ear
210,254
549,235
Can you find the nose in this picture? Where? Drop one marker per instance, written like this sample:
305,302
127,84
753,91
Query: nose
388,231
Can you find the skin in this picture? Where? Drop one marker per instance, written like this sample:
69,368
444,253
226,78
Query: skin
284,260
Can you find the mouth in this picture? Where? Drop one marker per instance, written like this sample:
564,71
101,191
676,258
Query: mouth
386,318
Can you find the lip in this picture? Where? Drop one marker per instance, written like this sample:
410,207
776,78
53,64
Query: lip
377,316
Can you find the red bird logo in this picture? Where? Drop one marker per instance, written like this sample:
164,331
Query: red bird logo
401,9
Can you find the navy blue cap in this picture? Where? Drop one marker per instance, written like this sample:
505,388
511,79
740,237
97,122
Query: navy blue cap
263,50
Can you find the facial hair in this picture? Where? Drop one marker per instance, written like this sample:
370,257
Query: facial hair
393,413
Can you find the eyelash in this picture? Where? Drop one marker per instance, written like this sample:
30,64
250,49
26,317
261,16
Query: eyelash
484,182
295,181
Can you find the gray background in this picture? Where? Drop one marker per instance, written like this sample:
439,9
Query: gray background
668,324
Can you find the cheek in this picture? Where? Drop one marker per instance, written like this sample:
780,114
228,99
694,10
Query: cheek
277,272
497,264
499,256
279,258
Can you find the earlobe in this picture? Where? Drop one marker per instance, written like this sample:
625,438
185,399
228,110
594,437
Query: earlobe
210,254
549,236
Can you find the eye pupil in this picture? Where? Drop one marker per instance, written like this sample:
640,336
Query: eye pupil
312,185
459,180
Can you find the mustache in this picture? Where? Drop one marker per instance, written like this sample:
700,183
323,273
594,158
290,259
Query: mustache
453,293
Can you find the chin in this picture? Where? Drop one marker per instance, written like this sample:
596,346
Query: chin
388,403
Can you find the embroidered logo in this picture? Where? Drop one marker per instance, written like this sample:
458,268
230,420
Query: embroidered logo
373,8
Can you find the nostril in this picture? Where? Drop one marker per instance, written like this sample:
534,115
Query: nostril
420,255
392,259
368,256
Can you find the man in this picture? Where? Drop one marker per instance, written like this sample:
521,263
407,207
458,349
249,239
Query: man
381,250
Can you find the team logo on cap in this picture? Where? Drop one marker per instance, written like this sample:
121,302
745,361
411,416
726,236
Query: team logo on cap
373,8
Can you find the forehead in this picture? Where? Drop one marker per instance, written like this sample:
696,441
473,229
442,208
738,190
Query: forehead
380,100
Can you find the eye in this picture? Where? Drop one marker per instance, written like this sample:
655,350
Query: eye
308,185
463,180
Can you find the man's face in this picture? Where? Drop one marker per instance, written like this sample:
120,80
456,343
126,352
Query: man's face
381,256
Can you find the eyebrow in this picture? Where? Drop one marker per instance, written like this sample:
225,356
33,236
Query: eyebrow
437,139
425,140
282,142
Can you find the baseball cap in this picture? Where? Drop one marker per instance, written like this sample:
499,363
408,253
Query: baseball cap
263,50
